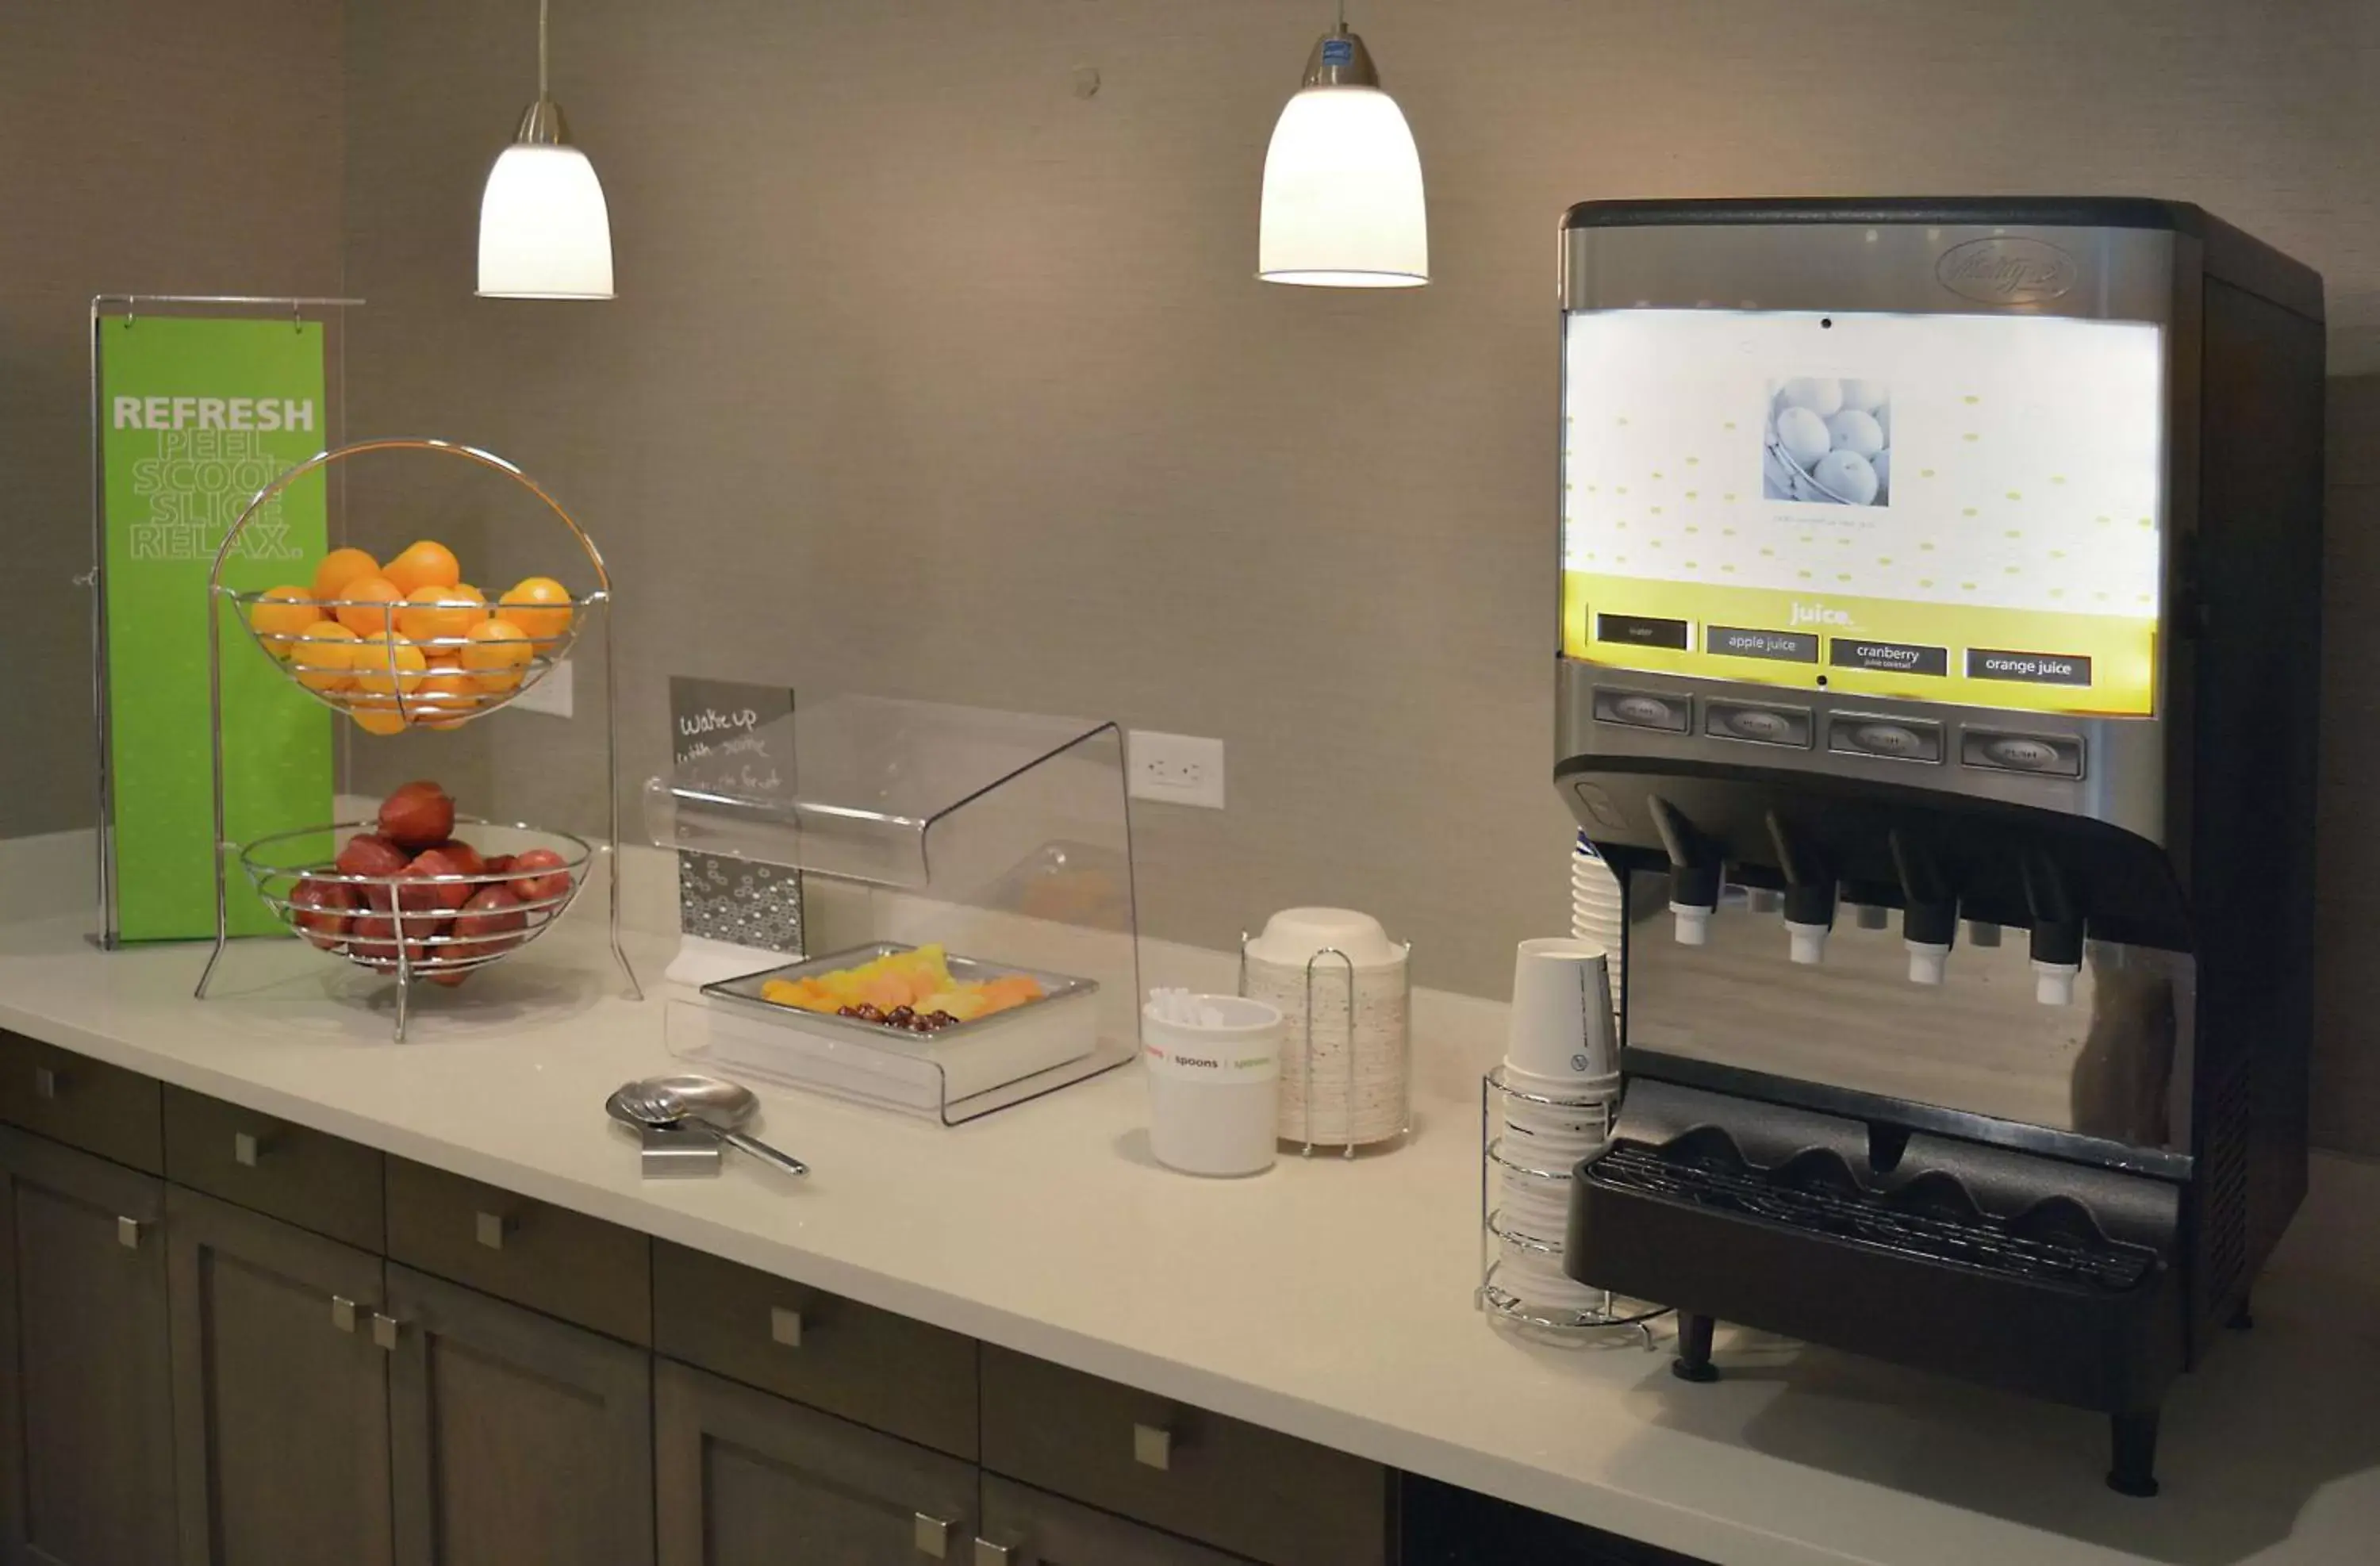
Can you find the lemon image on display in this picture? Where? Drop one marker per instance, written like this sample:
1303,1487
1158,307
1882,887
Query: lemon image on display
1803,435
1847,473
1821,396
1853,430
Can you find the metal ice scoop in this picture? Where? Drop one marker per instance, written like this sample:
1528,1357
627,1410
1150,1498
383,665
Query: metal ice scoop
676,1103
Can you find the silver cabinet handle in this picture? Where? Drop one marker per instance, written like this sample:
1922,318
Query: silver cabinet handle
785,1326
989,1554
933,1536
384,1330
1152,1446
342,1313
45,1082
246,1148
127,1232
490,1228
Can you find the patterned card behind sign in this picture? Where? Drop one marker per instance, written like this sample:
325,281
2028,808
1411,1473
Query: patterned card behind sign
724,727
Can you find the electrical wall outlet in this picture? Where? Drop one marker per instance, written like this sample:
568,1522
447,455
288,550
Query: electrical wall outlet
1177,768
550,694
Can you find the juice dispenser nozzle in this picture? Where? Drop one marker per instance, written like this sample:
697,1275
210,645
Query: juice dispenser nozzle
2056,932
1694,871
1929,913
1809,893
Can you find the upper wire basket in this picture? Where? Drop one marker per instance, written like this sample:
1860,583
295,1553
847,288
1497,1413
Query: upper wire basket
439,663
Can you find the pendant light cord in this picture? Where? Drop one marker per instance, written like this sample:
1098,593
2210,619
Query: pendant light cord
541,92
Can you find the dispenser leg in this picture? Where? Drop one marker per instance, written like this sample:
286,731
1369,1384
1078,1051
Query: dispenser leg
1692,1363
2135,1440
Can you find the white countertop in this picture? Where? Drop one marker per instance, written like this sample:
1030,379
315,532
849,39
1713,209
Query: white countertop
1328,1299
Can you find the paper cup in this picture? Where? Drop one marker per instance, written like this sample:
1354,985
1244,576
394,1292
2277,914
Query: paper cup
1562,1010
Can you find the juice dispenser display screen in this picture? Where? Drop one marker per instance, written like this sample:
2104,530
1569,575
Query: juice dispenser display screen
1948,507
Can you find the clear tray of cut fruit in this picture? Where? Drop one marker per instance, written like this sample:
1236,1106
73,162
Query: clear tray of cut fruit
976,1024
408,893
409,641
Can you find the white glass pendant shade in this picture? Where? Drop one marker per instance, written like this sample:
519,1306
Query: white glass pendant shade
1342,194
545,232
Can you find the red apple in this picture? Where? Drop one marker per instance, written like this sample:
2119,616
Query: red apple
540,875
469,857
450,977
366,854
375,940
490,922
325,910
497,864
416,816
436,895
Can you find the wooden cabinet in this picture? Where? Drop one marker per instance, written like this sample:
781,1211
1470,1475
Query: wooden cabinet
86,1402
746,1479
82,1102
280,1391
1027,1527
884,1371
292,1350
531,1253
311,1178
1238,1487
516,1438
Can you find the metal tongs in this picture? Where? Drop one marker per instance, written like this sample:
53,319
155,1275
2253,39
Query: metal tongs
700,1104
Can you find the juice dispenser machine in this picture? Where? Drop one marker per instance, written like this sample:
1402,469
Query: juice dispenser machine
1939,675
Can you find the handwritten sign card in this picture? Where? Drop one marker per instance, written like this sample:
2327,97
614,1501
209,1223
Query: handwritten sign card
729,736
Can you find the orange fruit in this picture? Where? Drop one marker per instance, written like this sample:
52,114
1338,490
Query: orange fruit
382,721
444,701
495,653
540,606
424,564
341,566
447,614
325,659
365,611
387,666
280,615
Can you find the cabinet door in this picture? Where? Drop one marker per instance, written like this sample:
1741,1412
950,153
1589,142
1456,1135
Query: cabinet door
517,1437
746,1479
1028,1528
86,1402
280,1392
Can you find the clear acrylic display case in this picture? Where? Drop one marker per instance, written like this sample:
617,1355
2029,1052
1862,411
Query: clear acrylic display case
1002,837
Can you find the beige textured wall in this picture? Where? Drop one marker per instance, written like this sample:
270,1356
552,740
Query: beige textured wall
931,377
151,146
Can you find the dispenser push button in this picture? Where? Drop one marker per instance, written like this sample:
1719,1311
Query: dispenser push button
1760,725
1643,710
2059,756
1900,739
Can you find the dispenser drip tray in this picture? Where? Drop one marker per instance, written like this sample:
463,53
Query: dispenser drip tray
1931,1218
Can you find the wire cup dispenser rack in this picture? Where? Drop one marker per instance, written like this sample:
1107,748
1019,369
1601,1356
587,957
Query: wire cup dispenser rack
292,870
1521,1241
1003,839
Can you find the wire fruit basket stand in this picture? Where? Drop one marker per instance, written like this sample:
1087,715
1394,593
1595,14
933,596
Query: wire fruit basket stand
392,664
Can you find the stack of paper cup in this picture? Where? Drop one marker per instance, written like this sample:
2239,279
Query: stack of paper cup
1597,911
1561,1080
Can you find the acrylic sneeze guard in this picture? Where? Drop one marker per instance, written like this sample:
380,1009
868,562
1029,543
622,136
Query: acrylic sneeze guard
1003,837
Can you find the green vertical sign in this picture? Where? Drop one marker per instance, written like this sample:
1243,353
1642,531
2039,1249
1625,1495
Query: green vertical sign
196,416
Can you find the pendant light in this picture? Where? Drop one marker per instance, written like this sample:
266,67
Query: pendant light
544,230
1342,193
